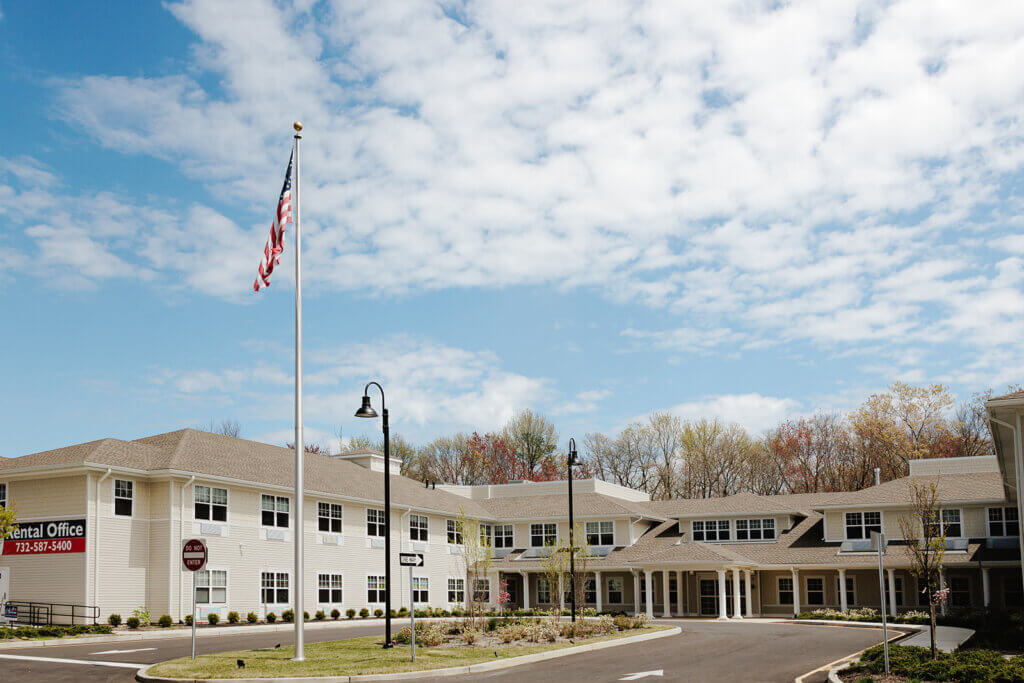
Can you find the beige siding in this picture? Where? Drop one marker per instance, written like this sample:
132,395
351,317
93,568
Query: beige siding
48,498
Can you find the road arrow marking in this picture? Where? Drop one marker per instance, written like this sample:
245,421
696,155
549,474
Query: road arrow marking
121,652
642,674
90,662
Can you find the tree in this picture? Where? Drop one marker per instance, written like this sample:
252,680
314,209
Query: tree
665,438
532,436
450,459
555,567
810,454
314,448
925,537
8,522
476,559
401,449
226,427
501,464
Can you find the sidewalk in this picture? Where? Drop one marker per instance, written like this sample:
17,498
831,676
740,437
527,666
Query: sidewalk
947,638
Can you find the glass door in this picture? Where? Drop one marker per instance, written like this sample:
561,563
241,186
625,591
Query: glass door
708,597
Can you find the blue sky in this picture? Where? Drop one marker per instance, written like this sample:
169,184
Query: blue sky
596,210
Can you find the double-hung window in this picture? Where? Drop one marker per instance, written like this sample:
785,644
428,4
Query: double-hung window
328,517
543,534
1002,522
3,495
211,503
589,591
275,511
815,590
898,581
600,533
543,591
859,525
329,589
124,494
711,530
503,536
420,589
482,590
418,527
1013,590
274,588
485,536
785,590
950,526
454,532
211,587
456,590
755,529
375,589
374,522
615,586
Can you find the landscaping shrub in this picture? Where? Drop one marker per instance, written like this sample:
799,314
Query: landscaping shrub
271,617
213,618
165,621
305,616
133,622
288,616
393,614
350,613
320,616
363,613
233,618
28,632
188,620
251,617
492,624
335,613
142,614
962,666
403,612
114,620
378,612
470,636
427,635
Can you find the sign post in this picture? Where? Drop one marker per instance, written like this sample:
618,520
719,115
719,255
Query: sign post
411,560
878,541
193,558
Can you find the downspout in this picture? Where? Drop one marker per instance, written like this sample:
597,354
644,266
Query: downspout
96,543
1018,464
181,512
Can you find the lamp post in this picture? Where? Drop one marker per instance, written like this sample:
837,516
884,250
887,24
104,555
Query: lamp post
366,410
571,460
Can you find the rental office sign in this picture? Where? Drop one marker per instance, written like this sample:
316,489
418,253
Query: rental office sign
55,536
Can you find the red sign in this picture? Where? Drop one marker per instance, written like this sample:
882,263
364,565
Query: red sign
193,554
52,545
56,536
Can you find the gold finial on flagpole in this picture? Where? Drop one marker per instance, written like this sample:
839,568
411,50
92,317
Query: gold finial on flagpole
297,126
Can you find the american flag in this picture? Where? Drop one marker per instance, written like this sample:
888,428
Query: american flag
271,253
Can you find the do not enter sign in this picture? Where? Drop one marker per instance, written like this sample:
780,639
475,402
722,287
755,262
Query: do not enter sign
193,554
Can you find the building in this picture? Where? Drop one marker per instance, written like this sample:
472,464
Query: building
102,524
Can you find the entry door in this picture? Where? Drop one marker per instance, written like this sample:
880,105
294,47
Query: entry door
708,597
512,587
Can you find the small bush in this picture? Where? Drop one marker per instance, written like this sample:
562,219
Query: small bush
213,618
142,614
271,617
320,616
233,618
165,621
288,616
188,620
335,613
492,624
114,620
865,679
133,622
350,613
305,616
364,613
251,617
403,612
378,613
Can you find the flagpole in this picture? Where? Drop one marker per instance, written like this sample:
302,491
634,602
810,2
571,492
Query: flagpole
300,640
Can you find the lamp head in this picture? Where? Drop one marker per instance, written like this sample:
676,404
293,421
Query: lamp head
573,459
366,410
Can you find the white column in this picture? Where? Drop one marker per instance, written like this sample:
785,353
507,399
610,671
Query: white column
495,581
737,611
680,593
561,593
842,591
721,595
796,592
667,612
598,591
750,594
636,592
986,587
649,592
892,592
526,590
942,586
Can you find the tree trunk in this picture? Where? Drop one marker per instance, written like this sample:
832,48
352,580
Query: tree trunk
931,611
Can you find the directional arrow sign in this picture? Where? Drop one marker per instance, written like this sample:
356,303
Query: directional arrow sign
642,674
410,559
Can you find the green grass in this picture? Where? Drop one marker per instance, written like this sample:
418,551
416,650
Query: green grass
352,657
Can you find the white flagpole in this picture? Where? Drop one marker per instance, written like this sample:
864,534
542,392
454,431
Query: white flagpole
299,527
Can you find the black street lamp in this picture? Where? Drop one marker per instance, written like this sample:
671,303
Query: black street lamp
366,410
571,460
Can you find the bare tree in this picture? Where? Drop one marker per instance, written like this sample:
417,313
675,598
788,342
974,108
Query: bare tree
226,427
925,537
532,436
476,559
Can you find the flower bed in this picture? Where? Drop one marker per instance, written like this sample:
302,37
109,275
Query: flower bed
516,630
916,663
865,614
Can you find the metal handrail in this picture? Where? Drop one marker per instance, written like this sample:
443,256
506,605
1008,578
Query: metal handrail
37,613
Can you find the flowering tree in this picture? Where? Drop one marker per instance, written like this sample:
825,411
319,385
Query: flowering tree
926,542
504,597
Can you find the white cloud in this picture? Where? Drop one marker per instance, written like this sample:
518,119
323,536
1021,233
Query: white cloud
584,402
755,412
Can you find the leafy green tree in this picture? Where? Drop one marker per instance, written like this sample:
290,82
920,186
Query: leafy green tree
532,436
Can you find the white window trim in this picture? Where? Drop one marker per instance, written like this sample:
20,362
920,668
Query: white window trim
458,532
329,573
621,590
715,520
366,524
543,534
807,592
7,493
486,581
779,591
114,497
291,513
881,523
599,533
839,585
291,587
429,589
962,521
548,588
366,588
988,522
227,505
736,531
424,529
449,590
227,586
512,536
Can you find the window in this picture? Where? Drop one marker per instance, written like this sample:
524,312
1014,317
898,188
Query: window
420,589
211,504
3,495
898,581
211,586
851,593
503,536
481,590
785,590
600,533
456,590
374,522
454,532
328,517
711,530
375,589
859,525
274,511
1001,521
418,527
815,590
123,491
485,535
543,591
543,534
1013,591
959,591
615,590
274,588
328,589
951,527
589,591
755,529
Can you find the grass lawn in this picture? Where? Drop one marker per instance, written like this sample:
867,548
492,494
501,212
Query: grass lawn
352,657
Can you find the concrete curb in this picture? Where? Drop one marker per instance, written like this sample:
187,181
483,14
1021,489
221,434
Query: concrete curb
833,673
143,677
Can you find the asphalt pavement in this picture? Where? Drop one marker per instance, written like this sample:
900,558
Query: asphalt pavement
705,651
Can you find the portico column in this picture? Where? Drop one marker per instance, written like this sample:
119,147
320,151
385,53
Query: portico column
598,591
842,590
986,587
796,592
636,592
721,595
750,594
667,612
495,581
561,593
892,592
680,592
649,592
942,586
737,611
526,590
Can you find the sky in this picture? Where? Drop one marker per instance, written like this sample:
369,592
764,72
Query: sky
744,210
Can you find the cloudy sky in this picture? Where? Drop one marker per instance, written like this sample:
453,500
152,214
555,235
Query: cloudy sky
751,210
